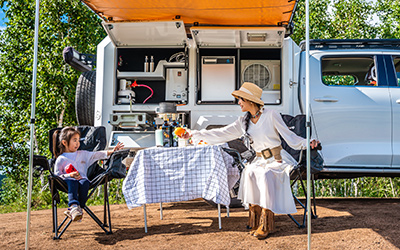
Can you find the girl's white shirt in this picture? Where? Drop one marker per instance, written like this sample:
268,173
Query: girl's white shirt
265,133
80,159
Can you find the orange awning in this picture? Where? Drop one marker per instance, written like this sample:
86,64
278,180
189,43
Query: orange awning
204,12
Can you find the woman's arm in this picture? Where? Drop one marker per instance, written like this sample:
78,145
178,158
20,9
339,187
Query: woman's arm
218,135
293,140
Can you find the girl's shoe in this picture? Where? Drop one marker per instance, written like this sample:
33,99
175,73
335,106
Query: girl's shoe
76,214
68,213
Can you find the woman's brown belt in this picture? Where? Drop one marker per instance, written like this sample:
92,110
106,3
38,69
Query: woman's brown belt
269,152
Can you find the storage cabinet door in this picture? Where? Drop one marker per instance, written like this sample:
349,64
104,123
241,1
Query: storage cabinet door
351,111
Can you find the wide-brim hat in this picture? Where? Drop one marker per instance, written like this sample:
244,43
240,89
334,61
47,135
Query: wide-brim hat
249,91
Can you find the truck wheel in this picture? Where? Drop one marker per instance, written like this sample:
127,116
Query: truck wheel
85,98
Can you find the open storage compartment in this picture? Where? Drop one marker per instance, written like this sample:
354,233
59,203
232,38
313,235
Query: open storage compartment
152,59
168,80
230,56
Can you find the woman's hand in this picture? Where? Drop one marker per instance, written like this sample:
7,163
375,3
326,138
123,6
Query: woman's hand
185,135
314,144
76,175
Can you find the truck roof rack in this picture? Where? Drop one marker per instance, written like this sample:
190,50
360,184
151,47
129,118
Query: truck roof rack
328,44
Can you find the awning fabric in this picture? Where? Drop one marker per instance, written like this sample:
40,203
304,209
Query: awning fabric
204,12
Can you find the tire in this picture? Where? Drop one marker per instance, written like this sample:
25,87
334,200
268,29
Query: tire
85,98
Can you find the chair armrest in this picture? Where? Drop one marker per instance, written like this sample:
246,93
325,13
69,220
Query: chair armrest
40,164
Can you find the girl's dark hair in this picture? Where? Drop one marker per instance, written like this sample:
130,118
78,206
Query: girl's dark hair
59,135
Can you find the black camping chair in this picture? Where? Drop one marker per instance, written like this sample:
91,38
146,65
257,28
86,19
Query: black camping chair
241,155
92,139
297,124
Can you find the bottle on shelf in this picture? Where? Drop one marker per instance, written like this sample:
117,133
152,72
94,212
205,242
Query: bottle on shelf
151,64
146,64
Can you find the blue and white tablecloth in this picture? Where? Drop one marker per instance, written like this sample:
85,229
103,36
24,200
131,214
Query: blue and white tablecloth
160,174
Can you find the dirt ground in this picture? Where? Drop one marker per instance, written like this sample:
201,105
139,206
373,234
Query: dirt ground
341,224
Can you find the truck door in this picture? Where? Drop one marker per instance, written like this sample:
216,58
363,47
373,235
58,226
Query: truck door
351,111
394,77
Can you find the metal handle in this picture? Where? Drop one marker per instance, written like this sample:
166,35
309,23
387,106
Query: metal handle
398,101
324,99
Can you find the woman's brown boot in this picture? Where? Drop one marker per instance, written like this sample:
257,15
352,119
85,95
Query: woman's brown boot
254,217
266,226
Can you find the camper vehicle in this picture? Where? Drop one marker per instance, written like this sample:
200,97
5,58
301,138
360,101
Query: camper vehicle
145,64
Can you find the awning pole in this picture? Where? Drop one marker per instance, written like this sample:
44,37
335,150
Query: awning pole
32,124
308,124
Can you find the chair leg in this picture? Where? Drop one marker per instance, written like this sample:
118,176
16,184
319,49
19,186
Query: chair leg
96,219
108,207
56,227
313,208
103,224
314,213
105,202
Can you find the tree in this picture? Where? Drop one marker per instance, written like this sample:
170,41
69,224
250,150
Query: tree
62,23
388,12
319,21
352,19
339,19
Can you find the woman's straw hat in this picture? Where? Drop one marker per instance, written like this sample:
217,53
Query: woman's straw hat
249,91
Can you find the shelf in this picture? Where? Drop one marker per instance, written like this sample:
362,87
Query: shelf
157,74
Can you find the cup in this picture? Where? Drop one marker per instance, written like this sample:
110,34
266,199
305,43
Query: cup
182,142
159,137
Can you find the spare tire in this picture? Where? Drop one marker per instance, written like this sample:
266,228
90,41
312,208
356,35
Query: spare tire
85,98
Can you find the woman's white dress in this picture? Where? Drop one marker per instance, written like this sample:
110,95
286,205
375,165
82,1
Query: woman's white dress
263,182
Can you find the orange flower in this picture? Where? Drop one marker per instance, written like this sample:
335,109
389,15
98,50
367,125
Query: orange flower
179,131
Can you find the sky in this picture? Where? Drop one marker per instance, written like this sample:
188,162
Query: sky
2,25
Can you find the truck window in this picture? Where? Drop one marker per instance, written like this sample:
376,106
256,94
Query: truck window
396,61
349,71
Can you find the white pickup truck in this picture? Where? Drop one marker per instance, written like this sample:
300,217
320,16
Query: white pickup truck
355,95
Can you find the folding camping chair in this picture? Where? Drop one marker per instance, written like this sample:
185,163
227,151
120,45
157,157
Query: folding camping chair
92,139
297,124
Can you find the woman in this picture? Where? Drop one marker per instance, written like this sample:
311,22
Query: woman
265,182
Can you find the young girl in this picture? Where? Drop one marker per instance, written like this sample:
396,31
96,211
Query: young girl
65,150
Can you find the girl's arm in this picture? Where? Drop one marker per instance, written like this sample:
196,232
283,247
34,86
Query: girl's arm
59,168
119,146
101,155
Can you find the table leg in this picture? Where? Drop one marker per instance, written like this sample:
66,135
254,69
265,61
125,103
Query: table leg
161,214
145,218
219,216
227,211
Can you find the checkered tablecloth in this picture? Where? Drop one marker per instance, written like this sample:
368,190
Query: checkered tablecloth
178,174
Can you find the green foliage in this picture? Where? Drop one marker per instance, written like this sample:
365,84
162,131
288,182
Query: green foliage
347,19
339,79
388,12
62,23
382,187
320,21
